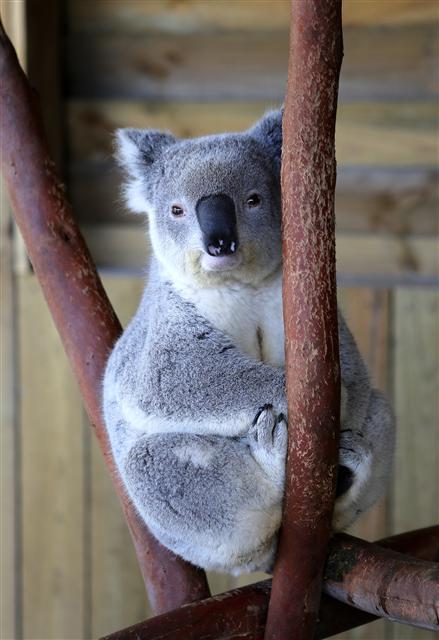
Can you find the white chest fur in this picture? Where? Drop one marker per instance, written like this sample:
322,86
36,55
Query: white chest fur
252,317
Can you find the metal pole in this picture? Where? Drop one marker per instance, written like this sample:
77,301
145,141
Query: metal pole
78,303
310,316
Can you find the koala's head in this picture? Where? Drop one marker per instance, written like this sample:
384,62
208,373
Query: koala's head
213,202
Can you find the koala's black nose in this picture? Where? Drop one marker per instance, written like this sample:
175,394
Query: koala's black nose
217,219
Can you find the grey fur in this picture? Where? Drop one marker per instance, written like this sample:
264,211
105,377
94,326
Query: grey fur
194,391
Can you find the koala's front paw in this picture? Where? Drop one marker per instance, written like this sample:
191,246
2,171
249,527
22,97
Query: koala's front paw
268,438
354,472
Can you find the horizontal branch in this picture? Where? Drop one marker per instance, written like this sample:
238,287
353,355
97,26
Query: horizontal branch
383,582
244,611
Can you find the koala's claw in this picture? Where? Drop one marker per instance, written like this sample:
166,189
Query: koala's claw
267,428
268,441
265,407
280,435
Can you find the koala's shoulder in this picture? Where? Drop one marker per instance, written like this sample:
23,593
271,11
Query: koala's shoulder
165,325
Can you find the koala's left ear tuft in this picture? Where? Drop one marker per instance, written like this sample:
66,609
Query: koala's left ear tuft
137,149
268,131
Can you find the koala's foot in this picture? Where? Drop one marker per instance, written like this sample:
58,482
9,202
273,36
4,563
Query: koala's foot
365,460
268,442
345,479
206,498
354,474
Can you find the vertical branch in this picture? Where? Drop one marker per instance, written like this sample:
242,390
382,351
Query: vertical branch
310,315
78,303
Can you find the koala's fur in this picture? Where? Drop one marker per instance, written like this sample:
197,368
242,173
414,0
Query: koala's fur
194,391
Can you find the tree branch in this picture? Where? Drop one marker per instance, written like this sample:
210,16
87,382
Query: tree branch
310,316
84,317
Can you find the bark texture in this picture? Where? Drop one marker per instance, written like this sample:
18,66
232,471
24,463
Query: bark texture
376,580
310,315
78,303
242,613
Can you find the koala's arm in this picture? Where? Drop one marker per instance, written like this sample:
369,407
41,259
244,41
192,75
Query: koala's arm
201,453
181,374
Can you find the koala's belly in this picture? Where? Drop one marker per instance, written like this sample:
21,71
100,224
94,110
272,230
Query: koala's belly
251,317
271,326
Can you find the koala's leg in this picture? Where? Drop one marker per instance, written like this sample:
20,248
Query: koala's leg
207,498
365,459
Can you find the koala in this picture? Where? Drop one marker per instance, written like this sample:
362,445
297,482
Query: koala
194,390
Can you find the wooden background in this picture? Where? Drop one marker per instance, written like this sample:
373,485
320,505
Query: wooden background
200,66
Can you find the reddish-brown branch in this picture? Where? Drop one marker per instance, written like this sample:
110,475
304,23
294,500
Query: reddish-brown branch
310,316
383,582
242,612
82,312
397,587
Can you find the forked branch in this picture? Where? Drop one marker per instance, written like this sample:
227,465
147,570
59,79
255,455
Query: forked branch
84,317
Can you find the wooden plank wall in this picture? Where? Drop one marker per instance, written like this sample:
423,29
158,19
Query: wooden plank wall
79,575
199,66
10,550
9,464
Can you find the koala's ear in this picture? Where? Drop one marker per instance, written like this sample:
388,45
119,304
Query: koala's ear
137,149
268,131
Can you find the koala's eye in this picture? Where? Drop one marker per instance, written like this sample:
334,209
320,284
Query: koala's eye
253,200
177,211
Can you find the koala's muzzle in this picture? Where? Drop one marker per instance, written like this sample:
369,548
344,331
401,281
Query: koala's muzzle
217,219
